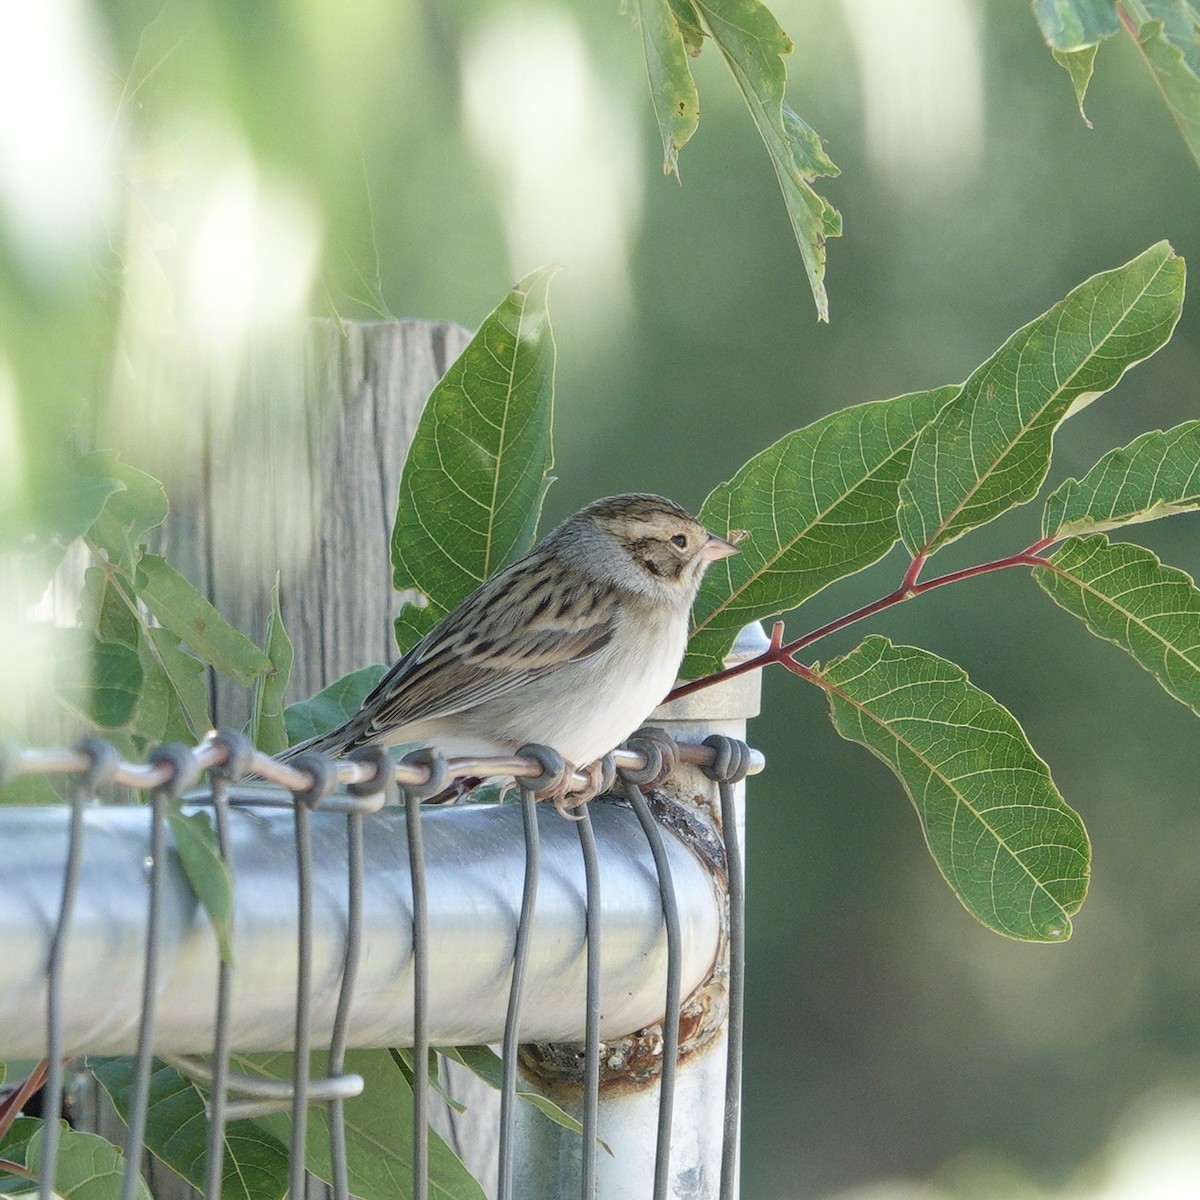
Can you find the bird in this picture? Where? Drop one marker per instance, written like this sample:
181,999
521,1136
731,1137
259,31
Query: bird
571,645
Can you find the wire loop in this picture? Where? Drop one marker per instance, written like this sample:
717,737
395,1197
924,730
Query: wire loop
381,787
106,762
554,769
731,762
608,774
658,749
434,762
184,771
324,772
239,754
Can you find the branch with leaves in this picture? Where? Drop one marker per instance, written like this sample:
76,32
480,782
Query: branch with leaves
1165,32
755,47
825,502
832,499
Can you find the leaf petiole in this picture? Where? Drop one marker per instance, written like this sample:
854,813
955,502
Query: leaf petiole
784,652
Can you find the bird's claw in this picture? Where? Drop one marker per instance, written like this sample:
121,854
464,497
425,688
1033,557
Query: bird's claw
565,800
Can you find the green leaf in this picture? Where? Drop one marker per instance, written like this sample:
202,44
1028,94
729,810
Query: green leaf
1156,475
268,730
52,511
207,872
139,506
487,1065
101,681
185,674
403,1059
157,706
1074,24
1078,64
105,610
68,502
173,703
256,1162
25,790
15,1143
1124,594
1180,20
89,1167
1171,48
818,505
989,448
478,467
752,43
1015,854
690,29
378,1125
187,614
331,705
672,88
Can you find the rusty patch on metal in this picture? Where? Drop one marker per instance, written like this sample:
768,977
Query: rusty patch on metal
634,1062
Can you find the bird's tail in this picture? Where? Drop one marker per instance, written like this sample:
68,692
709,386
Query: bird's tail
336,741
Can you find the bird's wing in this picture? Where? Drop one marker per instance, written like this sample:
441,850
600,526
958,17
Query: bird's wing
502,637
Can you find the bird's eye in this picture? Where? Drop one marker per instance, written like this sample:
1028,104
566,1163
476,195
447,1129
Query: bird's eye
680,540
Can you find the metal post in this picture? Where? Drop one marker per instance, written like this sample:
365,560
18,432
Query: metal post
475,864
550,1157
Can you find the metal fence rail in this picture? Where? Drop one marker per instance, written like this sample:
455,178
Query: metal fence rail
364,919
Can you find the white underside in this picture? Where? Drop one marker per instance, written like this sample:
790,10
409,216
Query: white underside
583,710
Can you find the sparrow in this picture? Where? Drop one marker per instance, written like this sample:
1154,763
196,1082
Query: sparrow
572,645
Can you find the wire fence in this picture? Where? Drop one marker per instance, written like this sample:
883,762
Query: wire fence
366,917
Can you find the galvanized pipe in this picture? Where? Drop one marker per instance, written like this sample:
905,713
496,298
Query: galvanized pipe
474,860
550,1161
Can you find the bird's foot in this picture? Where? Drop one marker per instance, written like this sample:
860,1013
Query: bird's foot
566,801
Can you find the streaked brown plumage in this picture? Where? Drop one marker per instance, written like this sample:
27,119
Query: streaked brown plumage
571,646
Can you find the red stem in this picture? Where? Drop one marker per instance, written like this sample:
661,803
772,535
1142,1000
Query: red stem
11,1105
781,652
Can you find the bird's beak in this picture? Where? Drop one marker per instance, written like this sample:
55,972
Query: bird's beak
716,548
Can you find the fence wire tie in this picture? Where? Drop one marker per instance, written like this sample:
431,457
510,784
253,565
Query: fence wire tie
672,1001
731,763
237,755
553,780
437,778
373,782
105,763
182,772
218,1099
183,767
381,789
103,770
372,795
658,748
731,759
324,773
591,1038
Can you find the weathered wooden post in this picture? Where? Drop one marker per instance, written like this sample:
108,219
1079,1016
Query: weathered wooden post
302,476
307,488
302,465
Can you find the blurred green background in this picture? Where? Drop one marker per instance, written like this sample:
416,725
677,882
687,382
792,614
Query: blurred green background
213,168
